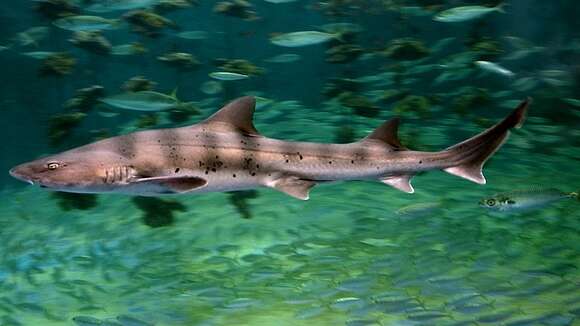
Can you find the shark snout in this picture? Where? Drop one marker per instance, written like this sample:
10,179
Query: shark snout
20,174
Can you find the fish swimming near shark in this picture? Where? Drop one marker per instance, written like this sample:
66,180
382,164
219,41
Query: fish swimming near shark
225,152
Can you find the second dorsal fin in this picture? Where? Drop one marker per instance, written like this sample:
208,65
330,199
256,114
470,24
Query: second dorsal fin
386,133
238,114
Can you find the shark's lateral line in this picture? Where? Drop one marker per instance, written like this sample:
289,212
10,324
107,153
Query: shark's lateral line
225,152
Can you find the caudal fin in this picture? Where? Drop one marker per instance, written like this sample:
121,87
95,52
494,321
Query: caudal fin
468,157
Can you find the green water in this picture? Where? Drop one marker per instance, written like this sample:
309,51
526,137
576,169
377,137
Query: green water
344,256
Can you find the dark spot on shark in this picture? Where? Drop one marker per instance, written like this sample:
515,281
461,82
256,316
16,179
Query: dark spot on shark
351,161
253,174
420,162
234,175
177,170
287,161
329,162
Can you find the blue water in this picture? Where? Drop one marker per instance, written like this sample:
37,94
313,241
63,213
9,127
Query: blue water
347,256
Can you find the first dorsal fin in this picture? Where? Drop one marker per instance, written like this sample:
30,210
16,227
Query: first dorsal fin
238,114
386,133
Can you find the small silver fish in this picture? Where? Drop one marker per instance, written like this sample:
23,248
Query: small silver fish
419,209
86,321
86,23
40,55
132,321
227,76
128,49
280,1
303,38
556,78
211,87
118,5
572,101
142,101
526,84
520,54
334,28
442,44
193,35
284,58
32,36
465,13
524,200
495,68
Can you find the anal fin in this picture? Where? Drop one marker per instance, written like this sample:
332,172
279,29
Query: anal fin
401,182
293,186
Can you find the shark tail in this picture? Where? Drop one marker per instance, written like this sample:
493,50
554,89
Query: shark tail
468,157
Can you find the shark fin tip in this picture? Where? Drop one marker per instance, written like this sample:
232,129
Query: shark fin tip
400,182
387,133
238,114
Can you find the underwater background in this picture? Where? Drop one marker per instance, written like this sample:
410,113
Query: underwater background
356,253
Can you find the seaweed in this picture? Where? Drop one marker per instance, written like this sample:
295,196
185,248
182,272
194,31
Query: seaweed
236,8
58,64
60,126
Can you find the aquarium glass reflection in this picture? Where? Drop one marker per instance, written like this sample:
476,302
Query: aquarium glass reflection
290,162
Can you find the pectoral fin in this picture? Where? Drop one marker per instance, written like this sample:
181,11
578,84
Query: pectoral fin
172,184
293,186
401,182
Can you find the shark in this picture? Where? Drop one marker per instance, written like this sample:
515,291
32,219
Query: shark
225,152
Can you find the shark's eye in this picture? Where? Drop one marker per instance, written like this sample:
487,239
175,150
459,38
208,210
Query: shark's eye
52,165
490,202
